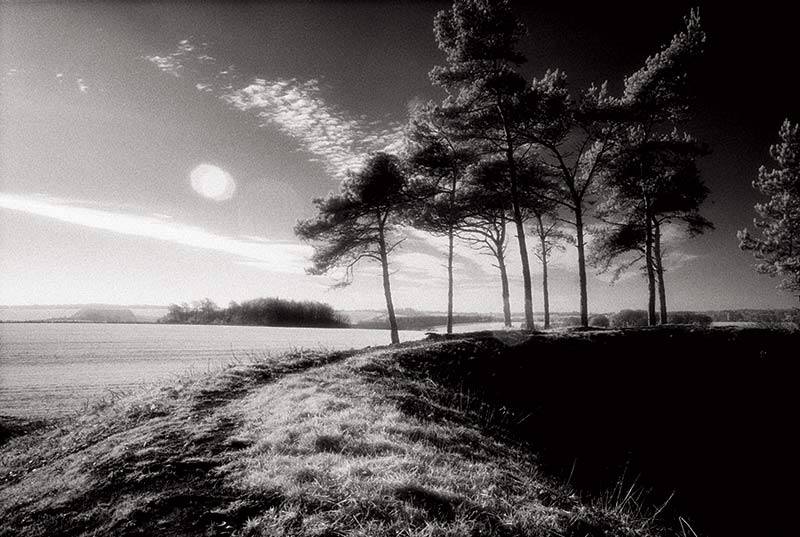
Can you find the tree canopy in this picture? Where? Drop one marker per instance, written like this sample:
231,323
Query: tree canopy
778,248
359,223
501,150
488,99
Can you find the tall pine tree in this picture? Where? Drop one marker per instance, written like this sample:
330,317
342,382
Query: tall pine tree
778,248
438,162
488,101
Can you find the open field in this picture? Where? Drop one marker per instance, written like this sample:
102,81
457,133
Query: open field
52,369
484,434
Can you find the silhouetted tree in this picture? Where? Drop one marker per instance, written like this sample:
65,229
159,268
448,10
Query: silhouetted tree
651,182
438,162
778,250
546,228
575,140
542,209
488,99
484,226
652,174
580,137
358,223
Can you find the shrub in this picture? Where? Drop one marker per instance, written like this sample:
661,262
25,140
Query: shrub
600,321
629,319
565,322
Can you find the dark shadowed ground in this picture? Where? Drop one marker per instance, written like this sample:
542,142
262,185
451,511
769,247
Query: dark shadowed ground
707,414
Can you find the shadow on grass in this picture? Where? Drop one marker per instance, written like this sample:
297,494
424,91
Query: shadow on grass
699,417
12,427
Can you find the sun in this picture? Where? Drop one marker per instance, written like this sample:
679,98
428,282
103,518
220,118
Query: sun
212,182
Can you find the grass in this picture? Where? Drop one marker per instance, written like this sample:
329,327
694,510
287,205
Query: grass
413,440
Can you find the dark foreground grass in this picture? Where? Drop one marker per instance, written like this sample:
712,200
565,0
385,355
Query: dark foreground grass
699,419
425,439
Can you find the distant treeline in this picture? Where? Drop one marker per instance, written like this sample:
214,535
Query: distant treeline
757,316
424,322
258,312
635,318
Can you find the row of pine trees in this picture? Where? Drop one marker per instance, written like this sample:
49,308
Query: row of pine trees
504,155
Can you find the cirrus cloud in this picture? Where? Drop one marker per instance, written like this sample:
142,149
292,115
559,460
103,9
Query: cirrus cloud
338,140
274,256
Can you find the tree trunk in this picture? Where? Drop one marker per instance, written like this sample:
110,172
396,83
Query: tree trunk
651,283
581,265
526,271
662,292
523,248
450,280
501,264
545,291
387,290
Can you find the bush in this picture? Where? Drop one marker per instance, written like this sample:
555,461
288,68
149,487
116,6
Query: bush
600,321
566,322
629,319
690,317
258,312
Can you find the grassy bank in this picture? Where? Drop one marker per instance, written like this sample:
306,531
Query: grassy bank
699,417
429,438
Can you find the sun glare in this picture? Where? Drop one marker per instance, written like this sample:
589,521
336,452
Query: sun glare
212,182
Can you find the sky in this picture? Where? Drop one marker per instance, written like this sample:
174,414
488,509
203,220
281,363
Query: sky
156,153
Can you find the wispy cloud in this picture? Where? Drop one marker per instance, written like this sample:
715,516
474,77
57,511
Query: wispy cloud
337,139
174,62
298,109
63,81
274,256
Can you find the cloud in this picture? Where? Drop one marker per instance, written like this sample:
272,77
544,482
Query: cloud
336,139
174,62
166,64
274,256
674,260
299,110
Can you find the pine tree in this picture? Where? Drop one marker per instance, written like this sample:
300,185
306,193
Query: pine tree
652,174
778,249
582,137
653,181
438,162
359,222
489,100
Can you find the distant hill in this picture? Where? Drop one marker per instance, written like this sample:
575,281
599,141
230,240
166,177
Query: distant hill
144,313
104,315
